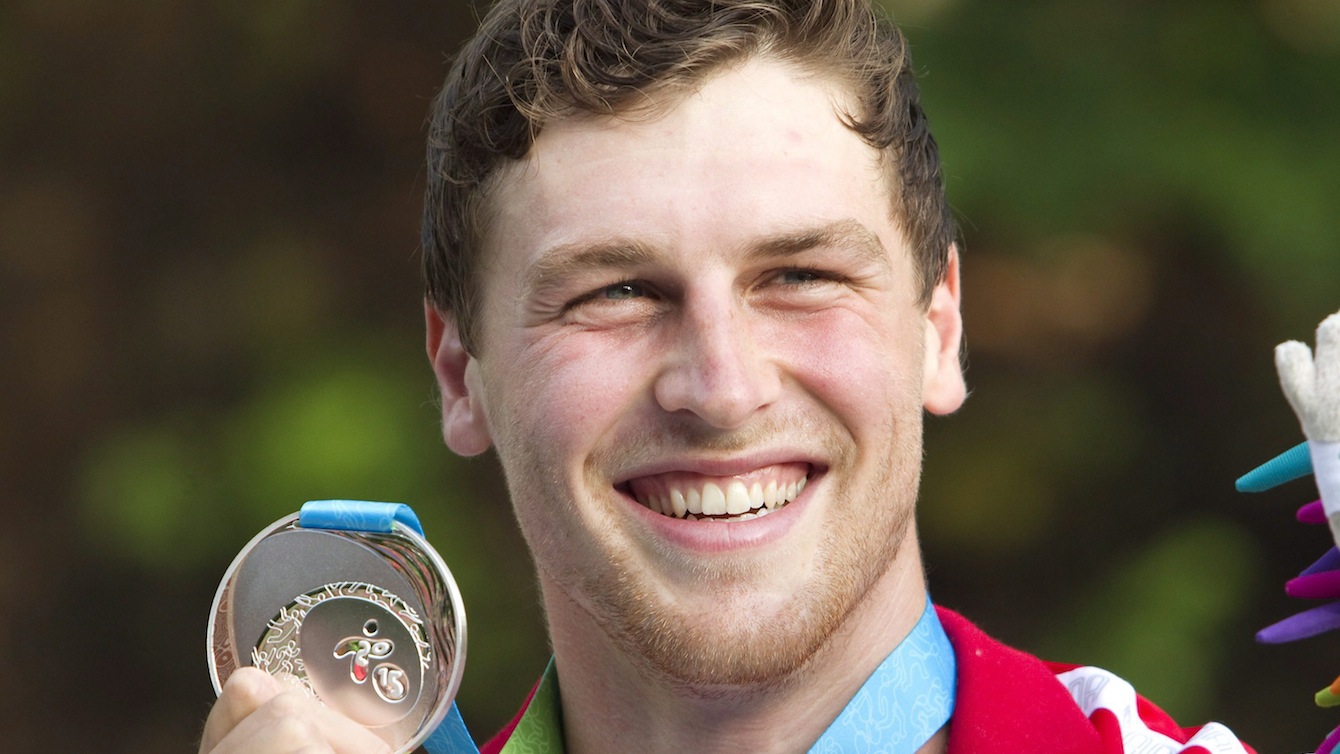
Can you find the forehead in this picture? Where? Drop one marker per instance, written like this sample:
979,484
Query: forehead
758,146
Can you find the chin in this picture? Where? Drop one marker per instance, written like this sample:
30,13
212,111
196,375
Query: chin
743,644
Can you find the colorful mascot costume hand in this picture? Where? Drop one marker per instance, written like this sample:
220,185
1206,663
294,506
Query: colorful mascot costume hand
1311,382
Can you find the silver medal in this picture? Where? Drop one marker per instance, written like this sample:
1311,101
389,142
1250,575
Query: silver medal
371,624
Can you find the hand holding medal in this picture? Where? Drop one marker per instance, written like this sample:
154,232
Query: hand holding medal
347,601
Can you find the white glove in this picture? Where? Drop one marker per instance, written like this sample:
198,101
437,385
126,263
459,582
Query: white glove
1312,386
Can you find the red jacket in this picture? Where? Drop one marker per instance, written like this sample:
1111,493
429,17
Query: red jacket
1009,701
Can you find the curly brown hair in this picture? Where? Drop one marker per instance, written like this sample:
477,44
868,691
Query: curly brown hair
533,61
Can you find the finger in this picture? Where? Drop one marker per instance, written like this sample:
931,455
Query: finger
293,721
283,725
1328,353
1326,395
348,737
243,693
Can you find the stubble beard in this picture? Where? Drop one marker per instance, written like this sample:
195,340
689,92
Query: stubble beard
733,651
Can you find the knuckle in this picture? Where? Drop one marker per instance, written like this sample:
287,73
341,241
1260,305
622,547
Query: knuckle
249,686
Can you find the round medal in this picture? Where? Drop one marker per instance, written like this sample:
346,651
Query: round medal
369,622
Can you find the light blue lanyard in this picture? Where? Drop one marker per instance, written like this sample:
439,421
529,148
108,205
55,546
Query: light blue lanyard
904,702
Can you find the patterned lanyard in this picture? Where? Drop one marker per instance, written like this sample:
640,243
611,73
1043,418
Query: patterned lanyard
905,701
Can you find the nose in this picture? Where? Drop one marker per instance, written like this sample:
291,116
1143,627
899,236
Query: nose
718,370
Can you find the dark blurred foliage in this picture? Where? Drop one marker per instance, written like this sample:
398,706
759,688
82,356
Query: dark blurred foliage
209,313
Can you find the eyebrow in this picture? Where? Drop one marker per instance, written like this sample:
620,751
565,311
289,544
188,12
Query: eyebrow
619,253
848,234
560,262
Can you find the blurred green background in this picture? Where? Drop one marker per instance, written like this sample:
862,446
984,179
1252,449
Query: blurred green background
209,313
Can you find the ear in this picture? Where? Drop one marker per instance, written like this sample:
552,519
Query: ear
464,424
943,389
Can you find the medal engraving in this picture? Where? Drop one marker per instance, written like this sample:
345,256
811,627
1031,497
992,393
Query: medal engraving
311,640
361,651
390,682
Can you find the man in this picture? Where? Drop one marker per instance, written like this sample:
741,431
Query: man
691,274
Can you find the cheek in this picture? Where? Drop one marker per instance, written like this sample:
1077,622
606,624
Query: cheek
574,394
574,390
860,367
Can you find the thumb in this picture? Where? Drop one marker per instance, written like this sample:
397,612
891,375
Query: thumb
1293,361
243,693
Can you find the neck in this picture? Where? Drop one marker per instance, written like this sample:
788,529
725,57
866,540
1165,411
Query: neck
610,699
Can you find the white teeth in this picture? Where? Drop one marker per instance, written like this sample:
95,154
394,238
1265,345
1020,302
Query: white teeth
677,505
714,500
737,499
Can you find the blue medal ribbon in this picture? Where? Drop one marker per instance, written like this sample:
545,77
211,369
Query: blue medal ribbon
357,515
908,698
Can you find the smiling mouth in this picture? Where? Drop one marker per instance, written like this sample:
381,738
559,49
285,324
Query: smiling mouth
695,497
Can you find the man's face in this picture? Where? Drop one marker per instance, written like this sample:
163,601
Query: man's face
703,365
